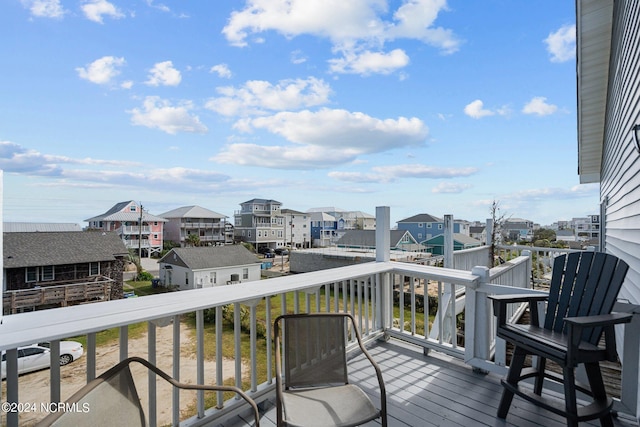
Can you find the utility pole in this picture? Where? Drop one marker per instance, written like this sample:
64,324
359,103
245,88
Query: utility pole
140,234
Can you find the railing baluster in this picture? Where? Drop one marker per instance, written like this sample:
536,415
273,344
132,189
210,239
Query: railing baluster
401,303
151,376
237,338
219,355
367,284
413,304
269,330
124,342
200,361
175,393
91,356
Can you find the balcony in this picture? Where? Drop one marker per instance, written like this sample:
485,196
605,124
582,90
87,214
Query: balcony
438,370
133,229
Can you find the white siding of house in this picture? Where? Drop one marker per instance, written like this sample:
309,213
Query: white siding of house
620,169
201,278
620,177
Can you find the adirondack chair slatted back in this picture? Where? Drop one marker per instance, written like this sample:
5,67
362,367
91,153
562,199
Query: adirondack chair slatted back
583,283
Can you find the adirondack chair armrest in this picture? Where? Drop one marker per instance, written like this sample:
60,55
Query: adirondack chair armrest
575,326
500,305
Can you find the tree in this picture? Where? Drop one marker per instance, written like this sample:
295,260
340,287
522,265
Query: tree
498,219
192,240
544,234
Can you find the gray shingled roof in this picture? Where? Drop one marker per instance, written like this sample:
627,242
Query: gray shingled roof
30,227
58,248
200,258
192,212
422,218
263,201
116,214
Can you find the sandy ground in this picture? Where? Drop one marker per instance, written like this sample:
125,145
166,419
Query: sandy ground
34,387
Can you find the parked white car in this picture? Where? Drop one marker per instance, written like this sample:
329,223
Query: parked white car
38,356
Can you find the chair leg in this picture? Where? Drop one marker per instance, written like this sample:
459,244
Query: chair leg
540,367
598,390
517,363
571,406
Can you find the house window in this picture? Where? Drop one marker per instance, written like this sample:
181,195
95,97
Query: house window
155,236
94,268
419,235
132,208
429,225
186,278
31,274
439,226
46,273
245,273
420,225
213,278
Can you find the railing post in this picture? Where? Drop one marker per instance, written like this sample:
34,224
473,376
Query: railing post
477,326
448,241
488,229
383,254
383,238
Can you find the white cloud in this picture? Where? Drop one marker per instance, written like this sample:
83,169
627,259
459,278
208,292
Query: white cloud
539,106
357,177
222,70
297,57
161,7
354,27
17,159
341,129
555,193
45,8
101,71
450,188
280,157
424,171
476,110
322,139
386,174
368,62
561,44
95,10
163,74
160,114
259,96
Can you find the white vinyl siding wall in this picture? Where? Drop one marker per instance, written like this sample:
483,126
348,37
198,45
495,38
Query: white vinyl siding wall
620,174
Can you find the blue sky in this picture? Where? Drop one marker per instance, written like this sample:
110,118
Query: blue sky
426,106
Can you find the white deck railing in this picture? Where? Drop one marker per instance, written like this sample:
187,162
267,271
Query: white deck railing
368,291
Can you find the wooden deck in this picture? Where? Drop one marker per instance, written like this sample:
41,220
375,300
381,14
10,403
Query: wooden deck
438,390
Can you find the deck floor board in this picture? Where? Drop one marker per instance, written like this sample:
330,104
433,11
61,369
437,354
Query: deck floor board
437,390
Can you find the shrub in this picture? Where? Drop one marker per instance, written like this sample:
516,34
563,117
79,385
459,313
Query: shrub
144,276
